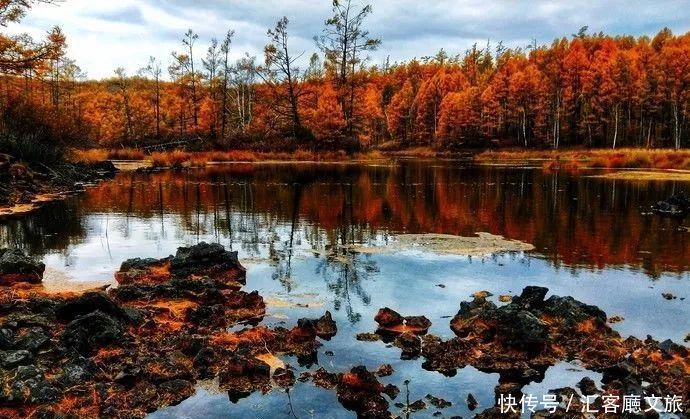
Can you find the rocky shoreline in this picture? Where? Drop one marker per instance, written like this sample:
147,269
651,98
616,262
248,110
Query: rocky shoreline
24,188
174,322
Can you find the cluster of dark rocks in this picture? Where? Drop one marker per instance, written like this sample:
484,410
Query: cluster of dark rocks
145,344
522,339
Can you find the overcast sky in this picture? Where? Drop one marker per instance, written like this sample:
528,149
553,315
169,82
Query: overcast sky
103,35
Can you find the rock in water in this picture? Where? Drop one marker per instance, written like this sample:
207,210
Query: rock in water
512,324
391,322
325,326
438,402
137,271
16,267
531,297
207,260
360,391
385,370
190,263
388,318
410,344
588,387
472,402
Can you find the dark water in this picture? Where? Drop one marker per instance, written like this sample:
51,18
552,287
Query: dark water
593,241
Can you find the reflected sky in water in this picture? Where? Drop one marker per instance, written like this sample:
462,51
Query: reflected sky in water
593,241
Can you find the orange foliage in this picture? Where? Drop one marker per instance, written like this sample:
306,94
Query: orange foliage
590,90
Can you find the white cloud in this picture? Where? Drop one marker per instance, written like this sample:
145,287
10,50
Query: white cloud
104,35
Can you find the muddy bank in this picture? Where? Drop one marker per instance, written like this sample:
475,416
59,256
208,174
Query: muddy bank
481,245
25,187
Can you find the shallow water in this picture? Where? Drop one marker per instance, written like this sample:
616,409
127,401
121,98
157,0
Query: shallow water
593,241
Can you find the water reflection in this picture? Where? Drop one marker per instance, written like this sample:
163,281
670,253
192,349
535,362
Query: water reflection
574,221
291,225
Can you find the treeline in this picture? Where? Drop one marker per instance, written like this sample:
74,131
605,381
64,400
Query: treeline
588,90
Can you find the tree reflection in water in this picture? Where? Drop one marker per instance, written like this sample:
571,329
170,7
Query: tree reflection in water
345,275
574,220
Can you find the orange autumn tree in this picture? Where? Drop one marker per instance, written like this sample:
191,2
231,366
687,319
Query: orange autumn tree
460,118
400,113
328,123
374,117
524,98
590,90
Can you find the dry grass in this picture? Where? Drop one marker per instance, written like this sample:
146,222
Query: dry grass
628,158
177,158
637,175
95,155
417,152
126,154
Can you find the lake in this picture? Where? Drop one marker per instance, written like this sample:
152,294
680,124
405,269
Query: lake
594,240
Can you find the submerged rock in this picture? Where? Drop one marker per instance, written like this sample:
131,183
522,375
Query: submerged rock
410,344
241,375
385,370
16,267
324,379
284,377
368,337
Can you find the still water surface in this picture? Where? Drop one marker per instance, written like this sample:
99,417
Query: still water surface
594,240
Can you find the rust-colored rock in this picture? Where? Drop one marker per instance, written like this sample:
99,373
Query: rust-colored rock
388,318
360,391
392,323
